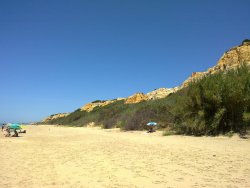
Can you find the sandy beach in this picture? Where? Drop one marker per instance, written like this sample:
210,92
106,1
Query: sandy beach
49,156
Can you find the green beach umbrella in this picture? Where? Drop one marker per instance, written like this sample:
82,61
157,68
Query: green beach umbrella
15,126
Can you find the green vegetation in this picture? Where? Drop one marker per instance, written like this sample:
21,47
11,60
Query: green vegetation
246,41
216,104
168,133
229,134
97,101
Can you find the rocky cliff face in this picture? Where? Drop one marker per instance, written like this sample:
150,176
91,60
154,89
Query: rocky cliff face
161,93
90,106
234,57
136,98
230,60
54,116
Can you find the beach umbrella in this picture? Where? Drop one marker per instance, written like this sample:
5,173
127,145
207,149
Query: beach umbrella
151,123
15,126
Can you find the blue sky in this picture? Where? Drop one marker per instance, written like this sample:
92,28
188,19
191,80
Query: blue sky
57,55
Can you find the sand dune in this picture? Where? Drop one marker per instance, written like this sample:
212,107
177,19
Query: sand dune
49,156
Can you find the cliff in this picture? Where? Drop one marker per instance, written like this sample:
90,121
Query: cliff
161,93
54,116
136,98
90,106
231,59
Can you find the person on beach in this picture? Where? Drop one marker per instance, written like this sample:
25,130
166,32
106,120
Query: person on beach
3,126
150,129
15,133
7,130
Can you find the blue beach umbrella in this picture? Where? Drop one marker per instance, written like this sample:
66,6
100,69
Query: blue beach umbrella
151,123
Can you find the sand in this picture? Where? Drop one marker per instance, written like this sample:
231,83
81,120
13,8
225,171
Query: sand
49,156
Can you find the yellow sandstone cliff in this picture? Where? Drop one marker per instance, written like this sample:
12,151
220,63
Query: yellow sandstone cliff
54,116
136,98
90,106
161,93
231,59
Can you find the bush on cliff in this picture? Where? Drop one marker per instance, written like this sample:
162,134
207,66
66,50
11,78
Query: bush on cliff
216,104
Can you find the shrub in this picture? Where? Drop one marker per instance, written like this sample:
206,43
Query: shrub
215,104
168,133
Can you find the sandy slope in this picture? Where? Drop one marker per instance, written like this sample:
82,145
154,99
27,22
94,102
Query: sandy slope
50,156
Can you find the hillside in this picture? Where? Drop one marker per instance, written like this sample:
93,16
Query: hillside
54,117
204,104
231,59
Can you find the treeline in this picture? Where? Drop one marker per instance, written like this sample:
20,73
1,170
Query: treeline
215,104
